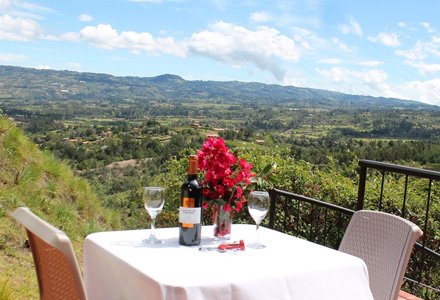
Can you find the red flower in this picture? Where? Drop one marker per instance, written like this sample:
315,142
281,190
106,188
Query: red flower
238,192
226,207
228,182
226,177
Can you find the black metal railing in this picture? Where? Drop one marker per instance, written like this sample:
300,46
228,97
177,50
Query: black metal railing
418,195
325,223
308,218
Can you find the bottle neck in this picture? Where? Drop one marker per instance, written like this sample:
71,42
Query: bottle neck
192,177
192,168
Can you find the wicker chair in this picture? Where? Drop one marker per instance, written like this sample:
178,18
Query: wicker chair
384,242
58,272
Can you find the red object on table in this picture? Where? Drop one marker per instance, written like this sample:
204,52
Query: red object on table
239,246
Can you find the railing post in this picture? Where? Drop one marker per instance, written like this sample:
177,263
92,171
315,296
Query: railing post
361,189
272,209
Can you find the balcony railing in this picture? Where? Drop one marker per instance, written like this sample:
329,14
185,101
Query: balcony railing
325,223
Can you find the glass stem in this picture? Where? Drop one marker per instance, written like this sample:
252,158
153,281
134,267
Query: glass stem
153,226
257,235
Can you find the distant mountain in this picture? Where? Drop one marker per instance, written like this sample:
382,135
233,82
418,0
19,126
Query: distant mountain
32,84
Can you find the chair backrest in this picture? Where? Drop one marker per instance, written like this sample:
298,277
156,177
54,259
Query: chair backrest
58,272
384,241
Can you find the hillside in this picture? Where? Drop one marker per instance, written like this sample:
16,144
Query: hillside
30,177
18,83
148,126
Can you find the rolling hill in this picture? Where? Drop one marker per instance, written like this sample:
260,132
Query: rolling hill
32,84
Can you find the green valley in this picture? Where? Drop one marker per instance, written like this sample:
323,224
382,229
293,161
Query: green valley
77,148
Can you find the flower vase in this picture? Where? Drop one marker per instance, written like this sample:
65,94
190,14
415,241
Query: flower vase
222,223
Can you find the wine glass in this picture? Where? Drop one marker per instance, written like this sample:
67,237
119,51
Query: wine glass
154,199
258,205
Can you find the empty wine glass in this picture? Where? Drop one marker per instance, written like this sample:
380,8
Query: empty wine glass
258,205
154,199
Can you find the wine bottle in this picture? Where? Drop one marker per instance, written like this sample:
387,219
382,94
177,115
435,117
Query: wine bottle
190,211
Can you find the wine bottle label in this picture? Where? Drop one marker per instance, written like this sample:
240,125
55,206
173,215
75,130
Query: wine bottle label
188,214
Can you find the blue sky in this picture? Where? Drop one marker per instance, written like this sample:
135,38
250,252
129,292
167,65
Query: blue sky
378,47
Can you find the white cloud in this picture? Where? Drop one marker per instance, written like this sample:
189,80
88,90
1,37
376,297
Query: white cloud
307,40
402,24
5,5
9,57
260,16
85,18
104,36
373,77
221,4
18,29
370,82
428,27
236,45
425,91
424,68
370,63
388,39
70,36
26,15
374,82
19,8
336,74
294,80
224,42
33,7
330,61
73,66
341,45
422,50
416,53
352,27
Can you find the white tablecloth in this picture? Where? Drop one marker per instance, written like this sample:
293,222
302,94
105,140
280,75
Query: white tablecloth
118,265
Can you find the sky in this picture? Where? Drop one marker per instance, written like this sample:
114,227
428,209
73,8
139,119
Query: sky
387,48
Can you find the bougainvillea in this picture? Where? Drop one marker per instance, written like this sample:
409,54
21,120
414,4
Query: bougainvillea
227,177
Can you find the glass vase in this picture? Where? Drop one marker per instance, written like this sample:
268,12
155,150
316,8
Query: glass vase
222,220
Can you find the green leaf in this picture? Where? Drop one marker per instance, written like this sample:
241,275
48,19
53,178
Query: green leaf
218,201
272,178
267,169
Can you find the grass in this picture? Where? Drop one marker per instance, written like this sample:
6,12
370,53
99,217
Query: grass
5,292
18,278
32,178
